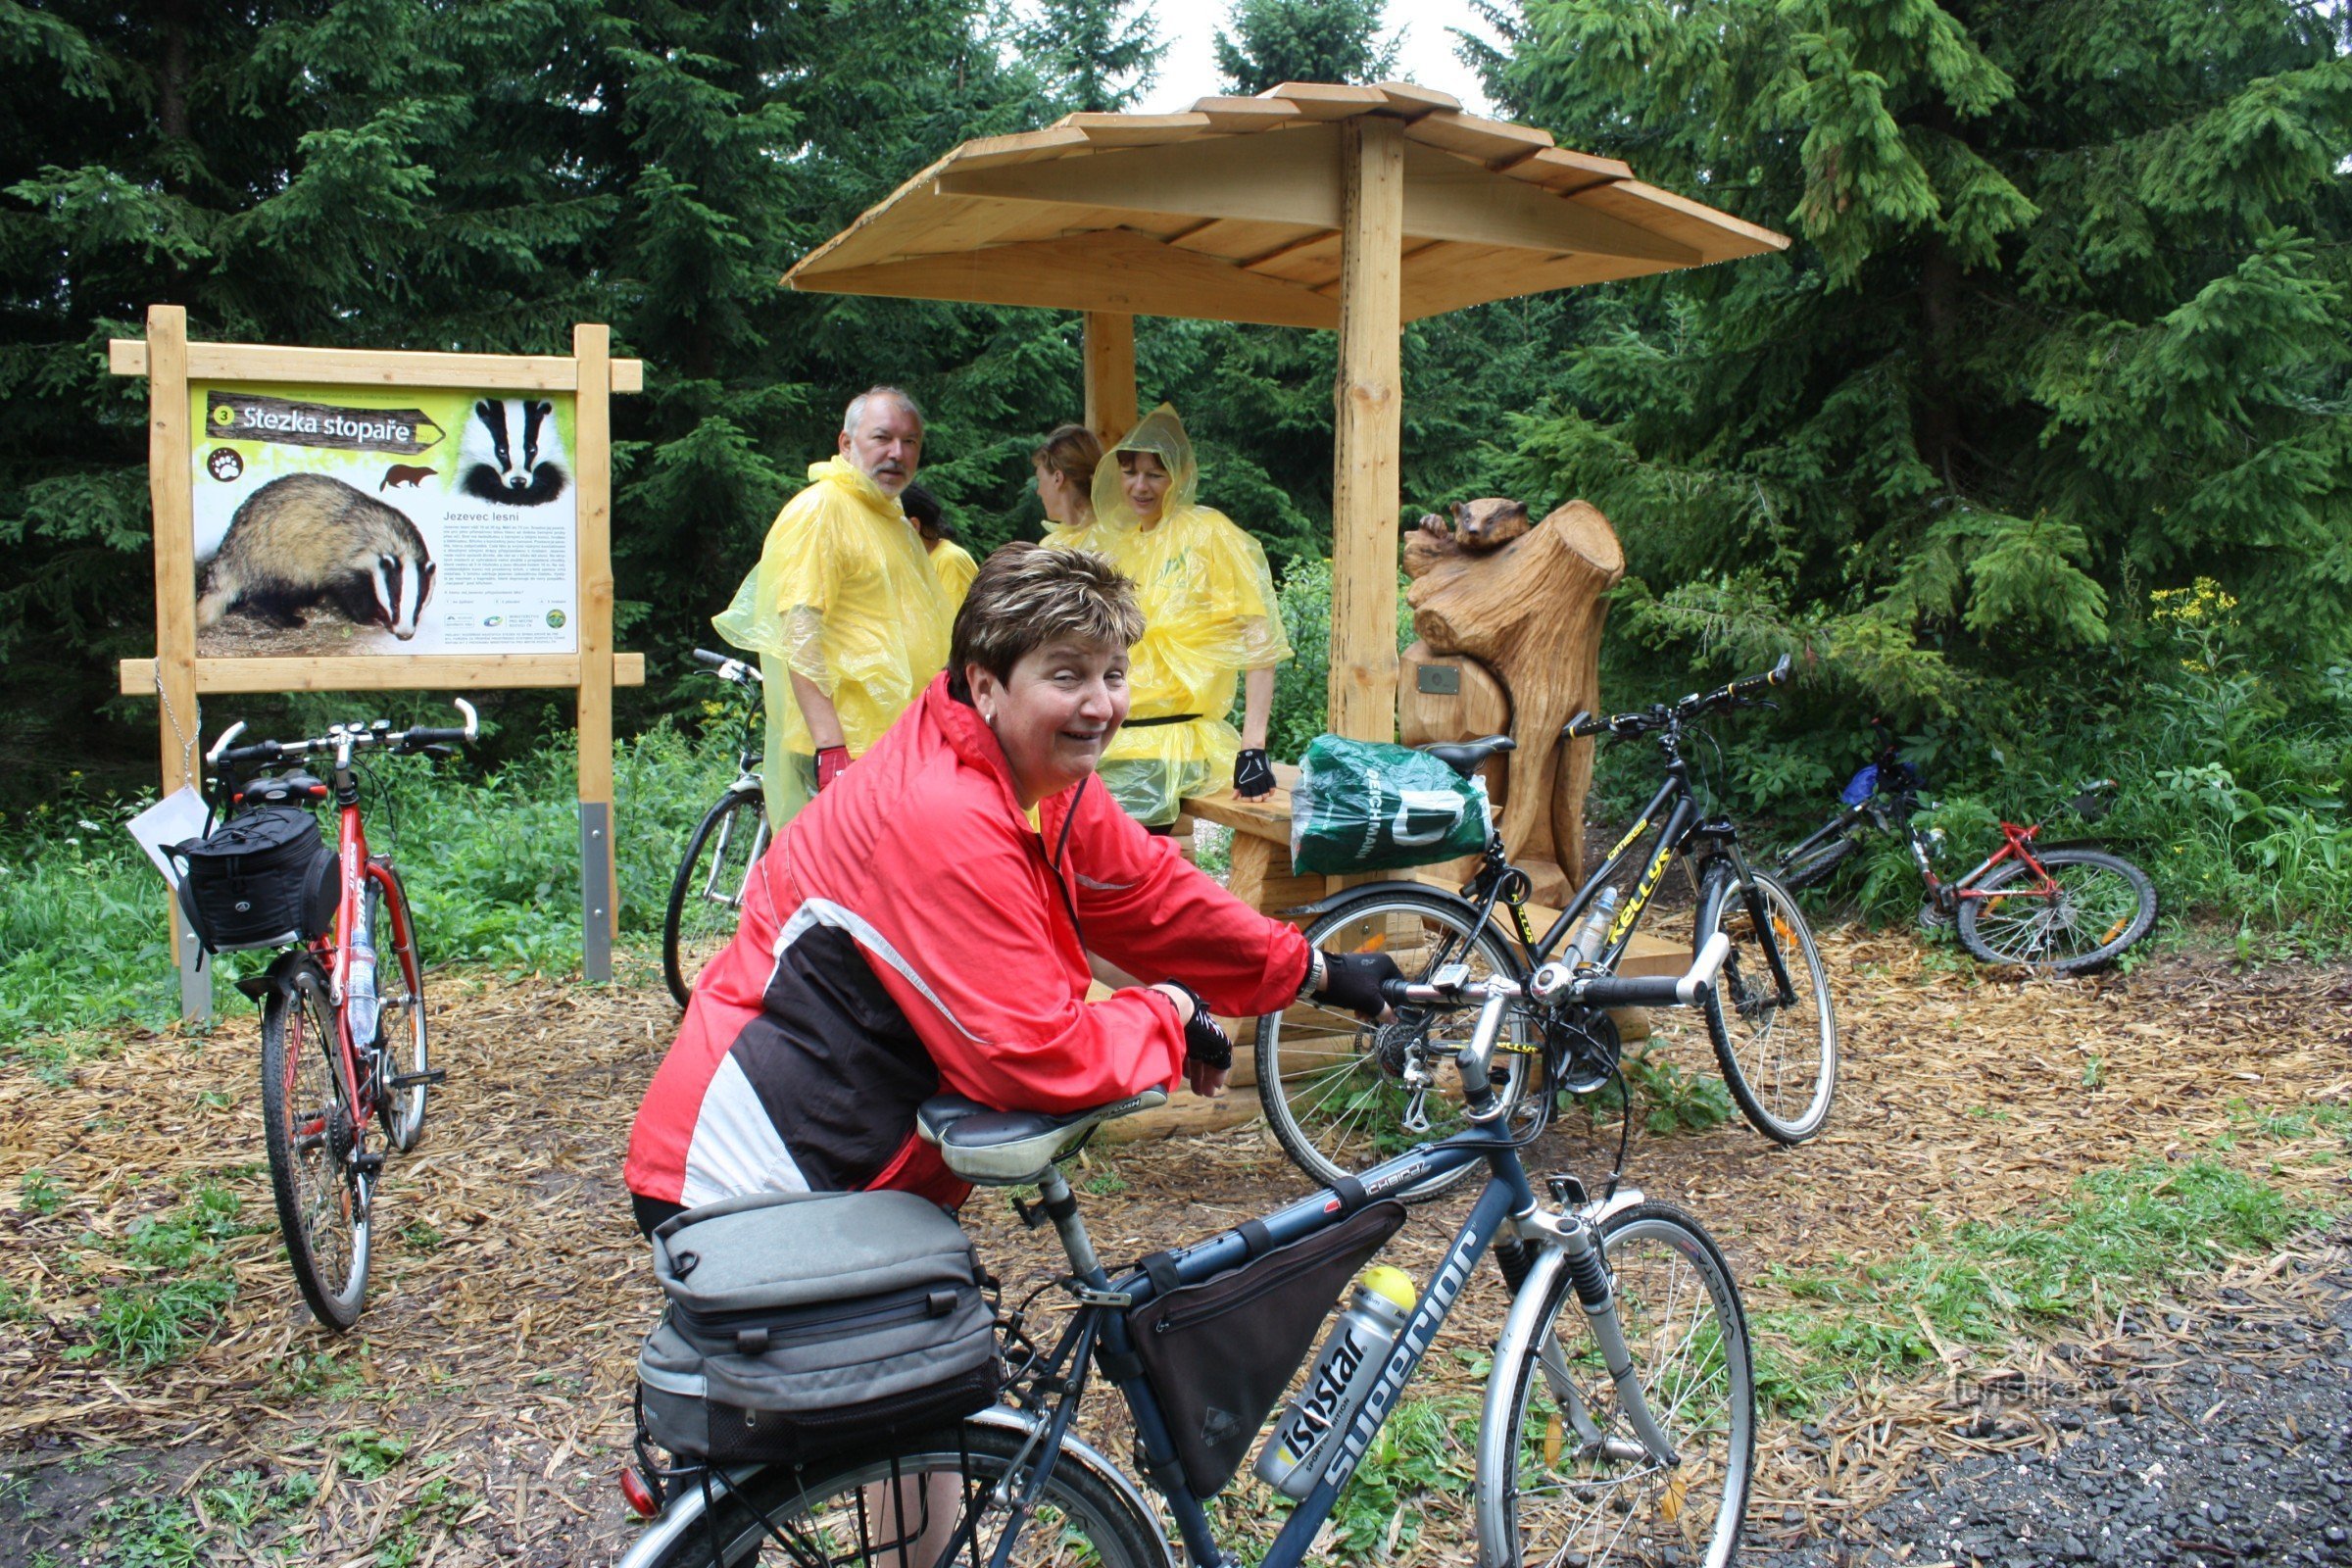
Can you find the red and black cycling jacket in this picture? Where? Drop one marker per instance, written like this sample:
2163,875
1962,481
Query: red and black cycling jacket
905,936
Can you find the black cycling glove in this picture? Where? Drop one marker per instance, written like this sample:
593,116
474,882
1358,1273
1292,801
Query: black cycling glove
1205,1041
1352,980
1253,773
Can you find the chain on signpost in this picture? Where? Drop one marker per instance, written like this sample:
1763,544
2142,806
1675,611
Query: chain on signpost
195,981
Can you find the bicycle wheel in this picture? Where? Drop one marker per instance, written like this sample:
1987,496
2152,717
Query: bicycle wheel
899,1512
400,1007
706,897
1813,867
311,1134
1336,1090
2101,905
1779,1063
1581,1488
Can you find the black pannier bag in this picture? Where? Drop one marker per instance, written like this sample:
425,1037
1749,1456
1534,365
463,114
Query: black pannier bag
1220,1353
264,878
803,1325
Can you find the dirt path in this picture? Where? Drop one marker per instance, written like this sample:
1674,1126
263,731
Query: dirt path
478,1412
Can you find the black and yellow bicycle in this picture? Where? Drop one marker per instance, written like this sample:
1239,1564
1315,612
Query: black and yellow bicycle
1341,1094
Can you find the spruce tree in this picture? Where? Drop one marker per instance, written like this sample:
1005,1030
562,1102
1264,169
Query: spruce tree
1274,41
2065,322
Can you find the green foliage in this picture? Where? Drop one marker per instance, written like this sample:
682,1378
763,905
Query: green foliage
184,1283
1274,41
1302,687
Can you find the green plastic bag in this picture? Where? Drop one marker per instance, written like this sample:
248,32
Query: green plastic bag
1362,806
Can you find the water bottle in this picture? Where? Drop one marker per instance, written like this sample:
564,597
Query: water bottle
359,983
1586,948
1297,1453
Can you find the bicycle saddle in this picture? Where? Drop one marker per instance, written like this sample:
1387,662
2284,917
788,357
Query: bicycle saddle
1013,1148
1466,756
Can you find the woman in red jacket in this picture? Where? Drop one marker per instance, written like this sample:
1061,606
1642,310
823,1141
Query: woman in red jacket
922,927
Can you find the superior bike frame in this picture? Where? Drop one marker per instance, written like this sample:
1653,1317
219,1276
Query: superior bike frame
1680,830
1540,1243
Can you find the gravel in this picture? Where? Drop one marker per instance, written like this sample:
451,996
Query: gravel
2217,1438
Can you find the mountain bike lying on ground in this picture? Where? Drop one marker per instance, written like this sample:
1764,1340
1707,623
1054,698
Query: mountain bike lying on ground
1618,1424
706,897
2064,908
343,1025
1340,1094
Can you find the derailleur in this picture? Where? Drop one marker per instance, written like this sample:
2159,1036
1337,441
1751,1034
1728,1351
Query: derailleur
1583,1048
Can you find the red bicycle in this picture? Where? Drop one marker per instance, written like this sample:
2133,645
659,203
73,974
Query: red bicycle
2061,907
343,1028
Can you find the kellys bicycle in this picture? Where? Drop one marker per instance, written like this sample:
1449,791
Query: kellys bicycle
705,895
1341,1094
344,1053
1618,1423
2064,909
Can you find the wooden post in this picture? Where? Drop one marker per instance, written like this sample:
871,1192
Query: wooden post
1109,374
1368,430
171,482
600,877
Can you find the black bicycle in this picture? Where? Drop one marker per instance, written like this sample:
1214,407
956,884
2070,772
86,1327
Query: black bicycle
1341,1094
2064,908
705,895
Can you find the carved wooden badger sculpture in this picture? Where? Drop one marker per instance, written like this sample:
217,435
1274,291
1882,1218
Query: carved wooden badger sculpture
1478,528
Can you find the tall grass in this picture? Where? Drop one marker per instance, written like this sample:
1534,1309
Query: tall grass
491,862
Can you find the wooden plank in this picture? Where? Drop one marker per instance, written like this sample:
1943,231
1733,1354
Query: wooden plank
1416,100
1109,374
1323,100
1184,1114
1245,241
391,673
1717,236
273,361
592,469
1292,177
995,151
1137,130
1368,432
1564,170
1245,115
1448,278
1111,271
1490,141
1268,819
172,678
1446,198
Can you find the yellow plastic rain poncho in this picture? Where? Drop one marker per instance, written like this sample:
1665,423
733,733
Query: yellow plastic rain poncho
1209,614
843,597
956,569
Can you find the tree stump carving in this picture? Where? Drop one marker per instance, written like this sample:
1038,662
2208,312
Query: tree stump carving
1531,610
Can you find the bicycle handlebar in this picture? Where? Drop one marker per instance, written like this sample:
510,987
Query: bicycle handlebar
357,736
1625,726
729,668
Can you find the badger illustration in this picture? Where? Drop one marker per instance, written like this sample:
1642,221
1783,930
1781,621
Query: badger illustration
401,474
512,454
308,539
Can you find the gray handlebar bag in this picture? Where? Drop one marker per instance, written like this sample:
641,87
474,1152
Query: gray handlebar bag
807,1324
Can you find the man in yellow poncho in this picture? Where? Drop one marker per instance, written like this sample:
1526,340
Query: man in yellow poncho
1209,616
844,609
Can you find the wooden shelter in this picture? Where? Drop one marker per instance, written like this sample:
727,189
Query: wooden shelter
1312,205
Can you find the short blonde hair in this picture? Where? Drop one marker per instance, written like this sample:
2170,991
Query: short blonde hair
1071,450
1026,597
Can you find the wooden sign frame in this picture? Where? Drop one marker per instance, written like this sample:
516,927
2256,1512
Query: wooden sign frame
179,678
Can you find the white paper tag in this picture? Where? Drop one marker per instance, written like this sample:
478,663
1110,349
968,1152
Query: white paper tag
175,819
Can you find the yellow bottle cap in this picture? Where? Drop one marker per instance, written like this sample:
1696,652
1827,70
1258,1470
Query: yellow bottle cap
1393,1284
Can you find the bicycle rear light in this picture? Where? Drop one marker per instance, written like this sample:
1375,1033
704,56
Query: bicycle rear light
637,1495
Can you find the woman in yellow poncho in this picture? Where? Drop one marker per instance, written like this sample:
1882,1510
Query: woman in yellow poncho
1065,484
950,562
845,610
1209,616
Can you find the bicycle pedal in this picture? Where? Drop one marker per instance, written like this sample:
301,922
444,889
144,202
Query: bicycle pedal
409,1080
367,1164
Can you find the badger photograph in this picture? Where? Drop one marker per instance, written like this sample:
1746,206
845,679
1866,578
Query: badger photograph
308,563
513,453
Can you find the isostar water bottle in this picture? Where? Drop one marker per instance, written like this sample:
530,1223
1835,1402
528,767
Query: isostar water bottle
359,983
1297,1454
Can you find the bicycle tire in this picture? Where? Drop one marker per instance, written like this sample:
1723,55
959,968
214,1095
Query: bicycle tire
1781,1079
400,1007
2115,899
699,919
1813,869
838,1512
310,1130
1680,1312
1338,1109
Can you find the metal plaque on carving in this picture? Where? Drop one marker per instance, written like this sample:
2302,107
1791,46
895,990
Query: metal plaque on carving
1439,680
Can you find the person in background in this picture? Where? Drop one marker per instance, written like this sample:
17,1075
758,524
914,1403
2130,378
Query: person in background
844,609
952,563
924,928
1209,616
1066,482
